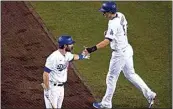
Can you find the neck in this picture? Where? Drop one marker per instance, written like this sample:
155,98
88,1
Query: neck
62,51
114,16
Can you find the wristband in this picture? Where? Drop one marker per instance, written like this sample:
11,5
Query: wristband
91,49
81,57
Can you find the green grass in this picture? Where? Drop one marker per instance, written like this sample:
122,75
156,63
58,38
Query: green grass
149,32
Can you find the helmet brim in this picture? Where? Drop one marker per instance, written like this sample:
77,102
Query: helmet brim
102,10
72,42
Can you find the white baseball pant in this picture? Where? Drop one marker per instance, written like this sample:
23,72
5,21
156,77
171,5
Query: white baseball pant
122,61
56,97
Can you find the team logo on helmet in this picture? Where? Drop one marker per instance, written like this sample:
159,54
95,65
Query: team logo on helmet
104,4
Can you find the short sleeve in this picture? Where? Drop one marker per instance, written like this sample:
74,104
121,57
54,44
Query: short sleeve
49,64
111,32
69,56
123,20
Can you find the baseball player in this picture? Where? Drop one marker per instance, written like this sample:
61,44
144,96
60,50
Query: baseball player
55,71
122,56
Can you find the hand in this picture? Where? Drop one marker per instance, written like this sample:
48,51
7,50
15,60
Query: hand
85,51
86,56
47,93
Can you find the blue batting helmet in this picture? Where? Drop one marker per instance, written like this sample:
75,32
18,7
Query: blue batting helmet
108,6
65,40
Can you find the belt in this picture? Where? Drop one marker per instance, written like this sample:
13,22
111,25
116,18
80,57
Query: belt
56,84
114,50
120,49
117,50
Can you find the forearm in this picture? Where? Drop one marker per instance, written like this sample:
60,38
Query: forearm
80,57
76,57
46,79
102,44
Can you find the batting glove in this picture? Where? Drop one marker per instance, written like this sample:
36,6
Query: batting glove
47,93
83,56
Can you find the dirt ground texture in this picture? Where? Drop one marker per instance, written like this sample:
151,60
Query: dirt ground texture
24,48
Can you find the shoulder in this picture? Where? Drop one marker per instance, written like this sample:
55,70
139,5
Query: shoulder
120,14
54,55
122,18
69,54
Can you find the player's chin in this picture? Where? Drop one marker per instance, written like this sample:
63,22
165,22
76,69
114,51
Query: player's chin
69,50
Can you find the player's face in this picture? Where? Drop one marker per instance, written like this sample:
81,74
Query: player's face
108,15
69,48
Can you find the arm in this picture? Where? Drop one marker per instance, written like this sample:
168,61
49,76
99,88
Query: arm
109,36
102,44
76,57
46,79
80,57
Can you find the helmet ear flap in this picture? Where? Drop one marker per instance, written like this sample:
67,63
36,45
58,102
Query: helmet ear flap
61,46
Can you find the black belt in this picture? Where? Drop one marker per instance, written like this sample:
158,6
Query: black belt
56,84
119,50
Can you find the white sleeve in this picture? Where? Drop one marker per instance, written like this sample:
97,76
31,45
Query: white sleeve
70,56
50,64
123,20
111,32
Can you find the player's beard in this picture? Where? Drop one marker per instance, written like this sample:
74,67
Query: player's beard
69,49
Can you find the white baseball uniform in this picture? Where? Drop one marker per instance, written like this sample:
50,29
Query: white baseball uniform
121,60
57,64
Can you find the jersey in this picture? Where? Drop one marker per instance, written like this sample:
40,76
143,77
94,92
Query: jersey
117,32
58,66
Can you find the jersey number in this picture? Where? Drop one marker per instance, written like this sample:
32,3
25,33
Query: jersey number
125,29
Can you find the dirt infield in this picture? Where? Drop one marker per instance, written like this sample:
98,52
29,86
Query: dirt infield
24,48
